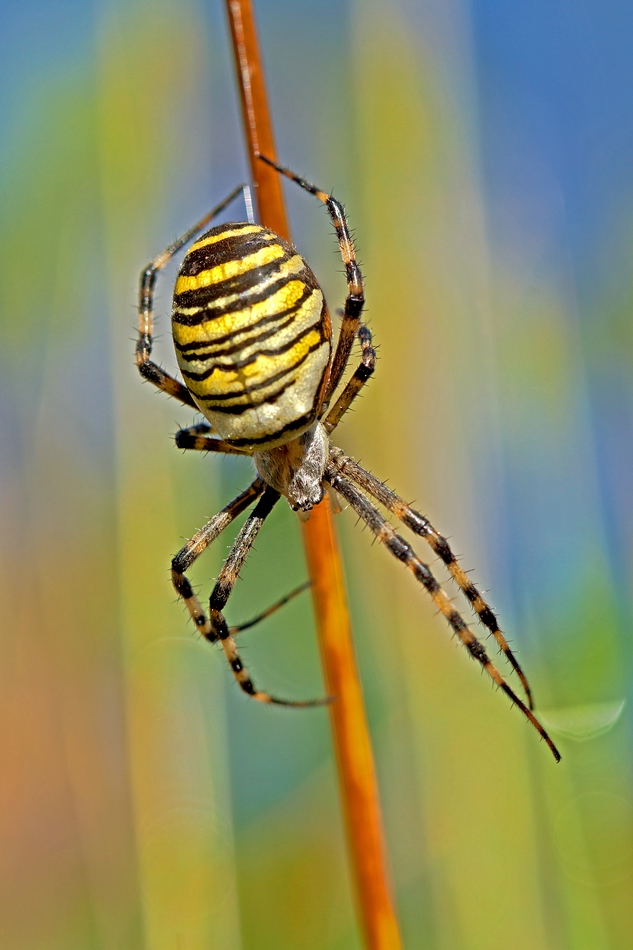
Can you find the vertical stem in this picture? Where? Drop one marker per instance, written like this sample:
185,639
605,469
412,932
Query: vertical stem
354,756
357,776
256,115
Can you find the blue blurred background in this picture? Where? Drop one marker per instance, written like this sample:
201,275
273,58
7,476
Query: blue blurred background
484,154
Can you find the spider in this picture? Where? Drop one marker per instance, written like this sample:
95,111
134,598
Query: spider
253,340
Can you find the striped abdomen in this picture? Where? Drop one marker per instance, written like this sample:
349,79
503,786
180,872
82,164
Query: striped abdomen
252,335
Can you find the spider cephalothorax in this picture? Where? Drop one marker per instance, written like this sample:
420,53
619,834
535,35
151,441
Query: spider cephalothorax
253,340
297,468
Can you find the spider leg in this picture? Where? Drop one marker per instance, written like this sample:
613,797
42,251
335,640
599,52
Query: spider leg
200,541
146,367
200,428
385,533
354,385
355,289
194,437
270,610
439,544
223,589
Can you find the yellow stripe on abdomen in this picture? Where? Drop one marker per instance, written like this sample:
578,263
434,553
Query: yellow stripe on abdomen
214,275
252,335
216,328
222,235
248,384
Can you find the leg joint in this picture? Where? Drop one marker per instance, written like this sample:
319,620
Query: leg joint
366,368
485,615
185,439
220,594
148,275
183,560
399,547
423,574
478,651
219,626
182,585
148,370
443,550
354,303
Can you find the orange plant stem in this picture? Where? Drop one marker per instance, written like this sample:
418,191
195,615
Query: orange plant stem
357,775
354,757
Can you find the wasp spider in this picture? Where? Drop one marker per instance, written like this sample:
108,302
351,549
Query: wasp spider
253,340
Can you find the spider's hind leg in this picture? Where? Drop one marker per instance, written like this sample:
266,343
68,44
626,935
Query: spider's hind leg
222,591
439,544
200,541
270,610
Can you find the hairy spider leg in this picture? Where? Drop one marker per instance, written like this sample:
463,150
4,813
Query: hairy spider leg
355,288
270,610
421,526
222,591
195,437
200,541
397,546
362,374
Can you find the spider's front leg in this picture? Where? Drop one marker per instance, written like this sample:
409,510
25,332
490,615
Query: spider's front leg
362,374
355,287
222,591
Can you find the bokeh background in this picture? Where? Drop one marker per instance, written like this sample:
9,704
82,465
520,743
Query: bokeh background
484,153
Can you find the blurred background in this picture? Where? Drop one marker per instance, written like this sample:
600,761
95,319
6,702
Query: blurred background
483,150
